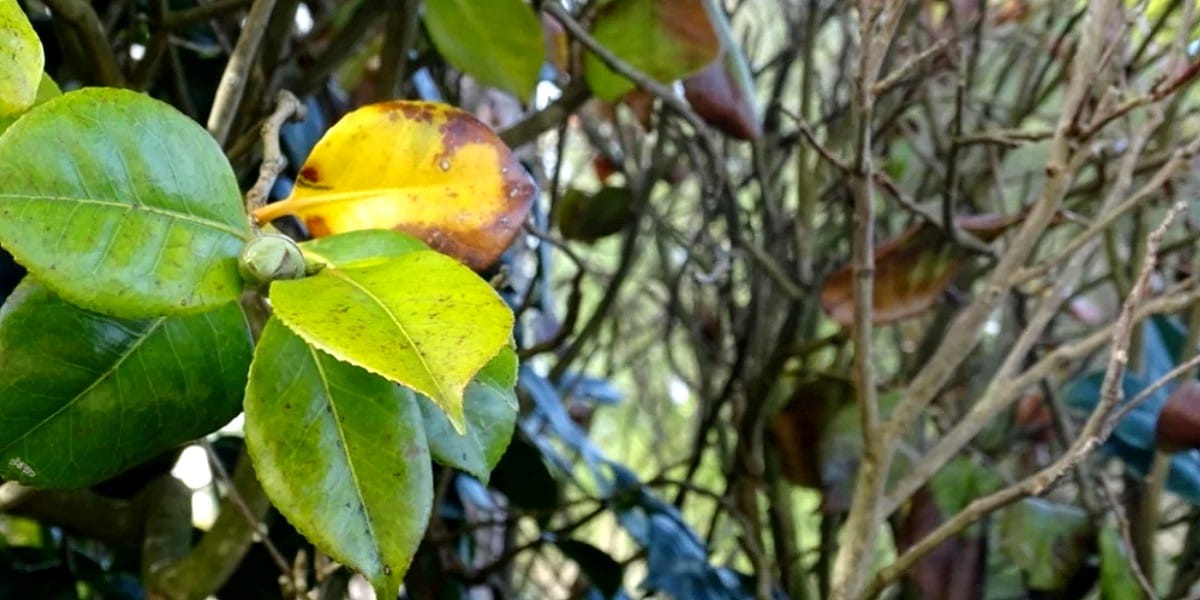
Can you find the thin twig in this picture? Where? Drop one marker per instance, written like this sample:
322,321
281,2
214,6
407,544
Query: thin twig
287,106
237,71
239,503
1090,437
1127,540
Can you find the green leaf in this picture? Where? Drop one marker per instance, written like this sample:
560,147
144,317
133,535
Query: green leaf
362,246
665,39
421,319
46,90
491,412
498,42
85,396
121,205
341,453
1049,541
1116,577
21,60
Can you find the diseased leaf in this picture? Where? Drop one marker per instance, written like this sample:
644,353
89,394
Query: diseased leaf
85,396
723,93
498,42
911,271
341,453
490,406
426,169
665,39
420,319
138,213
21,60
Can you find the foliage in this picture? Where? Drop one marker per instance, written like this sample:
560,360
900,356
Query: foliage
704,299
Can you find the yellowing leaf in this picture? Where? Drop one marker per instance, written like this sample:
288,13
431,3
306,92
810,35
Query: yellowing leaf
21,60
426,169
419,319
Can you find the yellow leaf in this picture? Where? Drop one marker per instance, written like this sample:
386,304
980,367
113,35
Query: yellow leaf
429,170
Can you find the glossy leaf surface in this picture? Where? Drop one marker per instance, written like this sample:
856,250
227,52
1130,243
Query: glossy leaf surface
426,169
21,60
420,319
665,39
498,42
1178,425
85,396
341,453
368,245
137,211
490,407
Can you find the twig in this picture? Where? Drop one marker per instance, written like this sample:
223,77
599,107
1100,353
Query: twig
203,12
287,106
1091,436
235,497
1127,540
86,23
237,71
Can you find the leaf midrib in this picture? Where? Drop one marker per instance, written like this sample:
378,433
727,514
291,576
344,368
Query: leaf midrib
222,227
337,424
443,397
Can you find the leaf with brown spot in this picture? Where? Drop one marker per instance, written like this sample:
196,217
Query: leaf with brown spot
1178,426
427,169
911,271
665,39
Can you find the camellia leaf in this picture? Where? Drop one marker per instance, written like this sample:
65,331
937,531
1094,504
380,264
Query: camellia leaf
430,170
665,39
589,217
121,205
723,93
21,60
499,42
360,247
341,453
1049,541
911,271
420,319
85,396
491,414
46,90
1116,575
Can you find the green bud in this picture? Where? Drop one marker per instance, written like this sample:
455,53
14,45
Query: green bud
270,257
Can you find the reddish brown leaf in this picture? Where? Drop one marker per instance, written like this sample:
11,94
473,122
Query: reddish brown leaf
950,571
911,271
721,102
796,429
1178,425
641,104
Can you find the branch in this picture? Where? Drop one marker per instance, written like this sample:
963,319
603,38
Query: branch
237,70
1093,434
273,163
86,23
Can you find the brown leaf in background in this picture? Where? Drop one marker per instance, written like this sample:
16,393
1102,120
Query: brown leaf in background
911,271
1178,426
